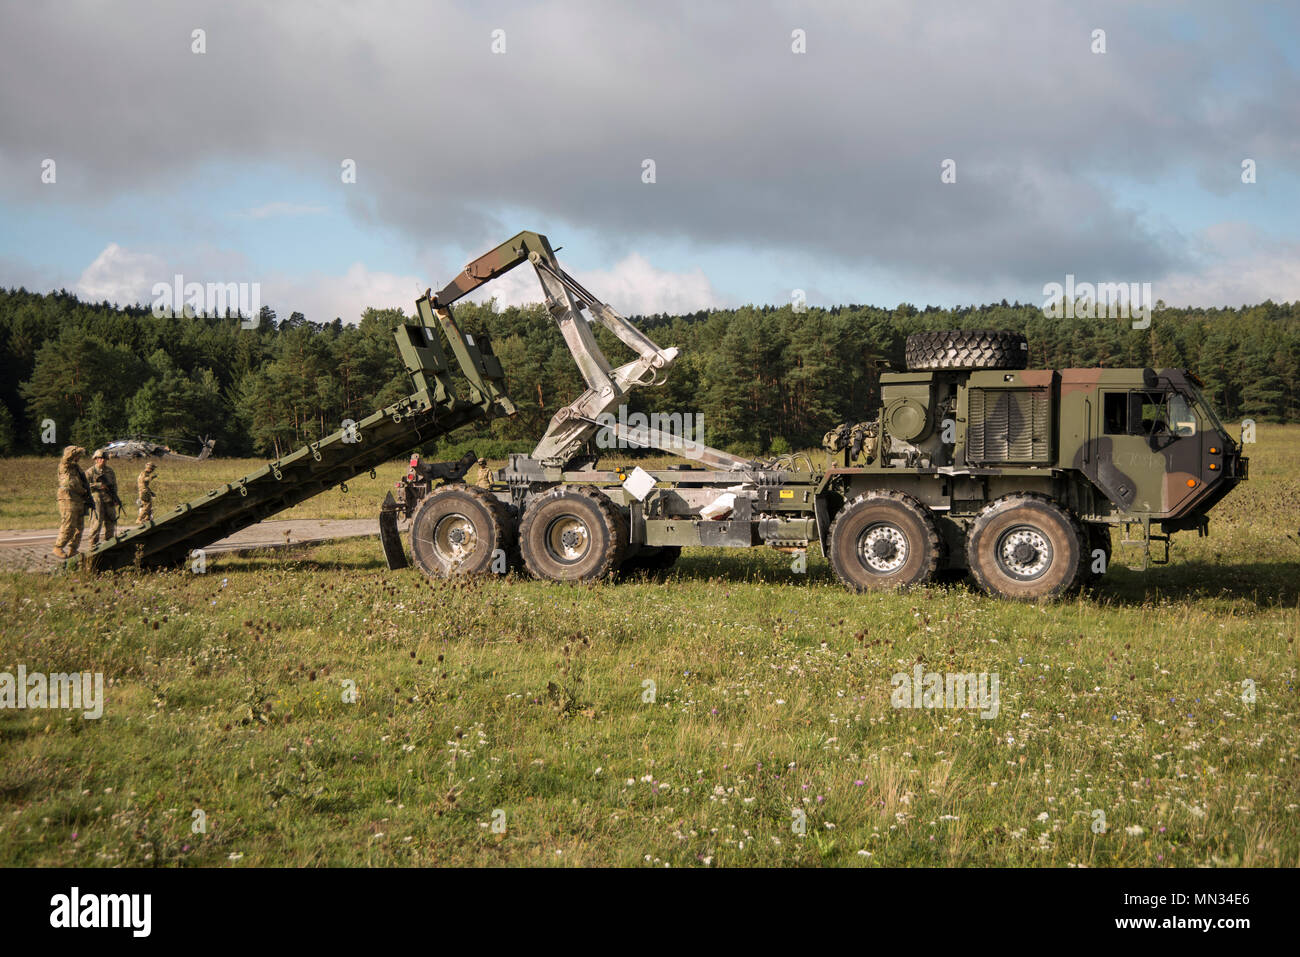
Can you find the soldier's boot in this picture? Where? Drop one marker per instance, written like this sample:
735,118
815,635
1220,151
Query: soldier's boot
59,551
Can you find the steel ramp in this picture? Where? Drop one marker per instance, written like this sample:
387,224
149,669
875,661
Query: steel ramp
431,412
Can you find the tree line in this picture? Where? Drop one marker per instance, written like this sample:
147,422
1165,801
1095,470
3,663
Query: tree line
765,379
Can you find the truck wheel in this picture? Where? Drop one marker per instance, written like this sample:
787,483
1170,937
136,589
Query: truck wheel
1098,539
982,349
1025,547
460,530
571,534
883,540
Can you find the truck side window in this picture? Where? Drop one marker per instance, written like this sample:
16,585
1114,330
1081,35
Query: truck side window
1146,413
1152,418
1115,413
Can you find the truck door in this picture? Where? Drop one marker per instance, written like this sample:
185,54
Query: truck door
1150,438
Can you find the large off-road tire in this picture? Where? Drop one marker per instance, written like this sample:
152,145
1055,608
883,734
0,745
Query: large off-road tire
572,533
1025,547
460,530
979,349
1096,538
884,540
651,560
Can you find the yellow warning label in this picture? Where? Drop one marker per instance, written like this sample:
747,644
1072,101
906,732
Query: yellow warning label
787,493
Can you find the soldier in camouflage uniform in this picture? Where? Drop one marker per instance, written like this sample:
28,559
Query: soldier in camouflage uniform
74,497
144,494
104,499
484,477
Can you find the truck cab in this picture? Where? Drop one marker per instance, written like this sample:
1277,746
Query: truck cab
1019,476
1149,442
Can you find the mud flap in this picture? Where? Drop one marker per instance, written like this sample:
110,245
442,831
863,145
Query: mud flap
389,538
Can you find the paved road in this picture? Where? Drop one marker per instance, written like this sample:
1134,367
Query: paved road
30,548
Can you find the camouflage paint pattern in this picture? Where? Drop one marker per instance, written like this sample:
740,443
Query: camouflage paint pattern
1163,476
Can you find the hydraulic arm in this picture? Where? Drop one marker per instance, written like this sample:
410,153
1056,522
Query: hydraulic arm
566,300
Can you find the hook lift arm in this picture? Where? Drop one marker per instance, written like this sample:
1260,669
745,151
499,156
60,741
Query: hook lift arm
574,425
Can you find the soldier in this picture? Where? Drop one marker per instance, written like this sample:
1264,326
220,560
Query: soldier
74,498
484,477
105,500
144,494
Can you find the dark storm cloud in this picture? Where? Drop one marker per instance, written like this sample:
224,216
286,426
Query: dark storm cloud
835,153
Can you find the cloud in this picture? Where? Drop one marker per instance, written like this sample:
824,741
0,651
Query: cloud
121,276
16,273
127,276
322,298
632,287
1236,265
833,154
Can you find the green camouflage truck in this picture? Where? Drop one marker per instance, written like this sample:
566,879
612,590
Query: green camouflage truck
970,464
1018,476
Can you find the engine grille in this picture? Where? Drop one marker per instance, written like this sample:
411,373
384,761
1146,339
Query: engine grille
1009,426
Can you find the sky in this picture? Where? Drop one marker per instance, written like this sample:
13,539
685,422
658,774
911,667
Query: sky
797,149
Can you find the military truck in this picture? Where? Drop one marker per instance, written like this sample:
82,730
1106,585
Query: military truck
1019,476
971,463
154,447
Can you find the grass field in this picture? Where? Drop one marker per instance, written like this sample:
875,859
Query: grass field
510,722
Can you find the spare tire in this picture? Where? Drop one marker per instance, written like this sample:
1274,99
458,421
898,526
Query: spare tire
977,349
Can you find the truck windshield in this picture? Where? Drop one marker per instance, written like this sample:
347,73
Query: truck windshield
1207,410
1182,421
